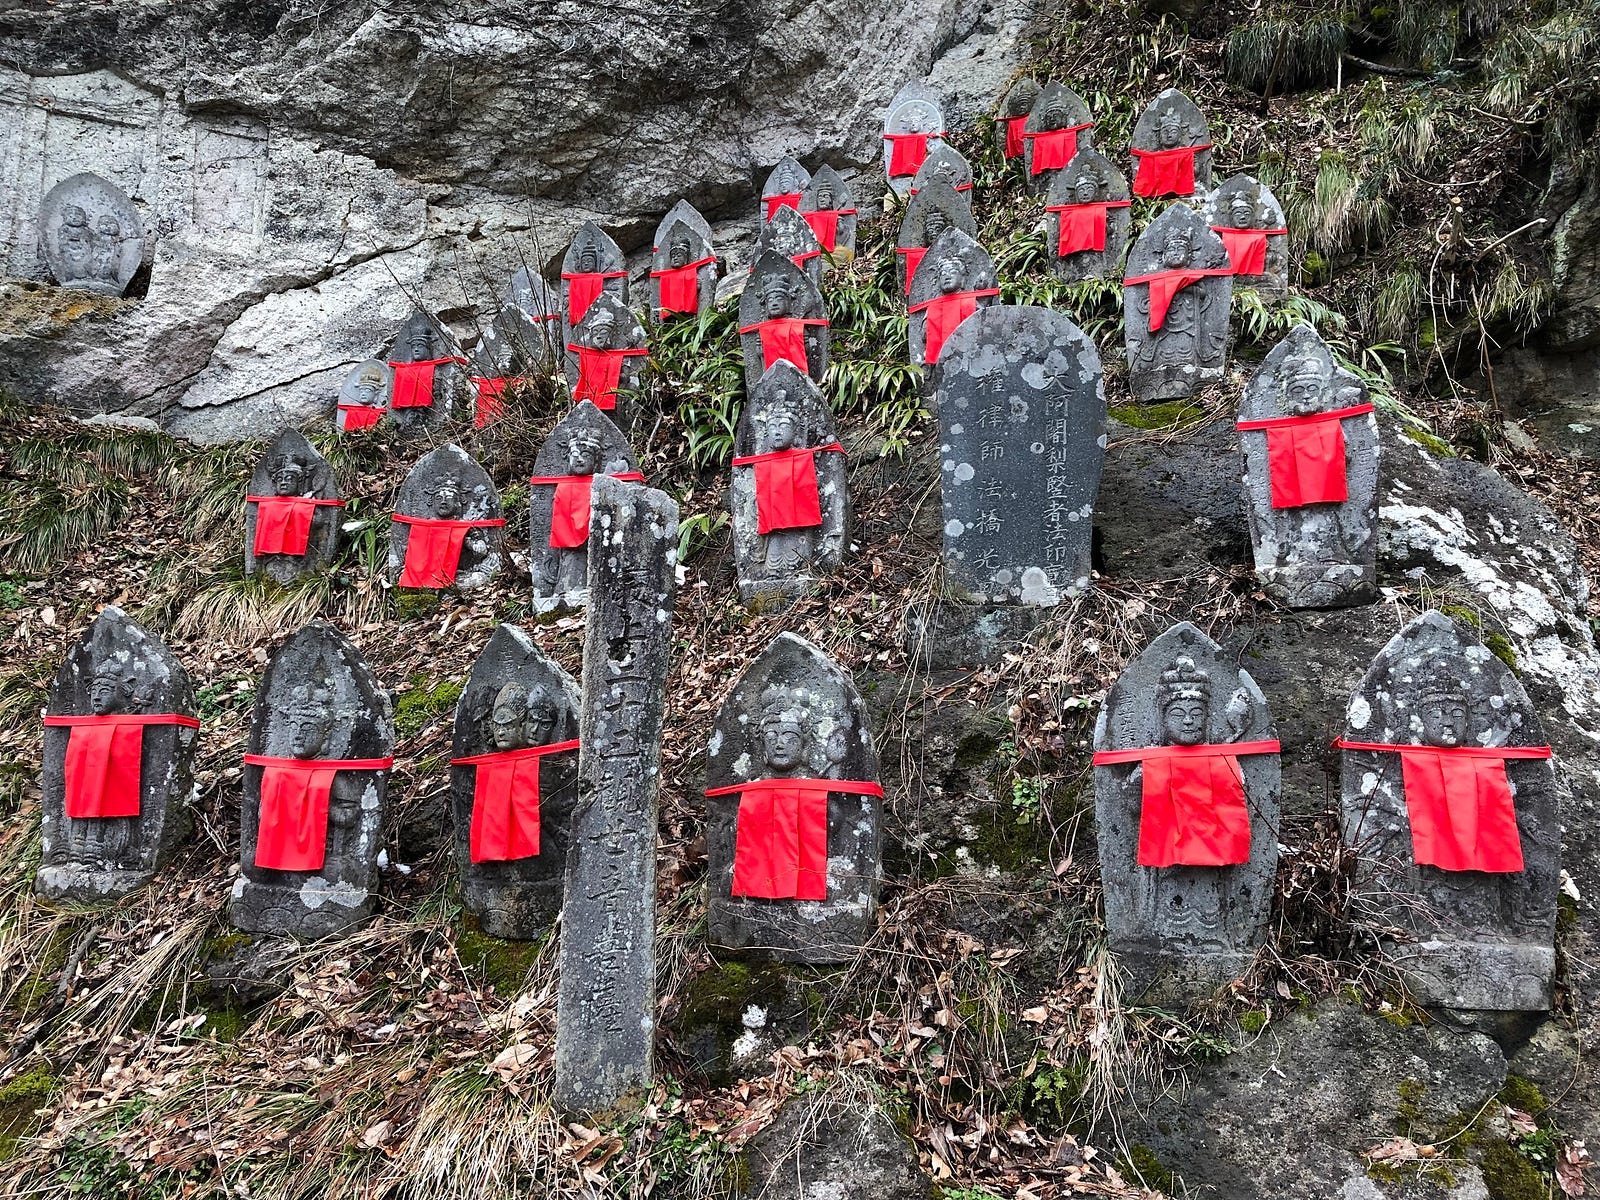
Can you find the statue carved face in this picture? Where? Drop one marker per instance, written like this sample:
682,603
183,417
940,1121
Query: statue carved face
1170,129
109,227
288,475
369,386
783,743
111,690
1241,211
775,297
1056,115
588,259
1087,189
74,241
542,717
1302,391
1183,721
310,726
824,197
783,426
1444,719
678,253
934,224
919,117
584,454
603,329
447,501
950,275
507,717
420,341
1175,250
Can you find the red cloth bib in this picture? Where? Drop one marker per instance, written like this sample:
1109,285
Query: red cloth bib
1015,126
908,152
569,511
786,487
1166,172
505,801
103,756
584,288
786,200
780,844
491,399
914,256
1054,148
1164,285
1458,801
599,373
1192,809
783,339
679,287
433,551
283,523
292,834
824,223
413,382
1247,248
361,416
1082,226
944,313
1305,456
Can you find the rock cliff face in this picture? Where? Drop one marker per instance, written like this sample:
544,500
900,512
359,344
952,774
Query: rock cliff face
307,173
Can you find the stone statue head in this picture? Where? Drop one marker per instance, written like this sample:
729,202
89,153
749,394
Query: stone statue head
73,217
1171,129
446,499
1444,709
1302,386
785,730
678,252
1184,697
946,171
933,224
920,117
588,259
112,688
775,295
1241,211
1175,249
288,475
1056,113
783,423
507,716
585,452
824,196
419,338
951,274
311,717
788,182
603,329
1086,188
109,227
369,385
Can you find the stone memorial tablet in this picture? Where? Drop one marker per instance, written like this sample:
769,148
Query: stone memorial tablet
1175,306
933,211
606,358
1245,214
1172,150
1088,208
593,264
448,529
829,207
364,396
293,511
954,280
913,126
782,318
1059,127
90,235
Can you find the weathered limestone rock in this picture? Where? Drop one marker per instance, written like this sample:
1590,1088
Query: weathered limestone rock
793,861
789,498
592,265
1059,126
428,383
785,185
1022,418
1457,842
364,396
782,318
586,443
955,279
513,782
1188,881
606,358
683,265
1011,119
293,512
837,1146
913,125
1175,306
1088,207
1310,488
605,1014
448,528
1245,214
119,741
90,235
315,779
829,207
1171,151
934,210
789,234
944,164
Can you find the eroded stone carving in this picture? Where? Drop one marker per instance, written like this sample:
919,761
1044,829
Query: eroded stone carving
1088,207
1175,306
605,358
522,338
292,514
946,165
1012,118
785,185
934,210
782,317
364,396
1171,152
448,529
913,126
789,234
427,382
954,280
1059,126
683,267
829,207
90,235
592,264
1245,214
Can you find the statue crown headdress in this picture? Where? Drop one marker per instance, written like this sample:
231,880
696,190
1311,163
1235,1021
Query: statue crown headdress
781,706
1438,682
1184,681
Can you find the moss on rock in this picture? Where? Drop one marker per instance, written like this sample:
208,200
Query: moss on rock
1509,1176
18,1100
1155,416
503,964
422,702
1142,1165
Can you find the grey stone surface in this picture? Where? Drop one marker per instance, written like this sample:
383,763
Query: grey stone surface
90,235
524,334
291,466
780,291
317,700
1183,931
1014,106
515,698
586,442
955,264
788,234
1244,202
679,242
447,484
837,1146
1473,939
1313,555
794,713
945,632
1022,419
1191,347
423,339
916,108
1056,107
787,411
606,1006
592,251
682,210
929,214
365,385
830,192
945,163
1089,178
116,667
1172,120
787,179
610,325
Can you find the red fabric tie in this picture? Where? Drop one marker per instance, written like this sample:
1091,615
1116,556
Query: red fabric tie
783,340
914,256
283,523
1166,172
786,200
909,150
505,801
433,551
1192,809
599,373
1014,134
1305,456
680,287
780,844
584,288
1164,285
786,487
569,511
1458,801
1247,248
824,223
102,763
360,416
292,834
491,398
1054,148
944,313
1083,226
413,382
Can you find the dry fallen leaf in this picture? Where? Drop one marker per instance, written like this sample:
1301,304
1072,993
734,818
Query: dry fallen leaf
1396,1150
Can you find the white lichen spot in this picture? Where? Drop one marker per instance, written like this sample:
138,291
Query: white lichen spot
1359,713
954,527
964,472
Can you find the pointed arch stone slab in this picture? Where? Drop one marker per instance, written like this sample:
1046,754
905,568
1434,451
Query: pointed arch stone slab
449,484
366,385
1243,198
830,191
423,338
787,178
955,263
789,234
1191,347
933,210
1090,177
684,239
592,250
611,324
1169,121
291,466
777,284
586,441
1056,107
